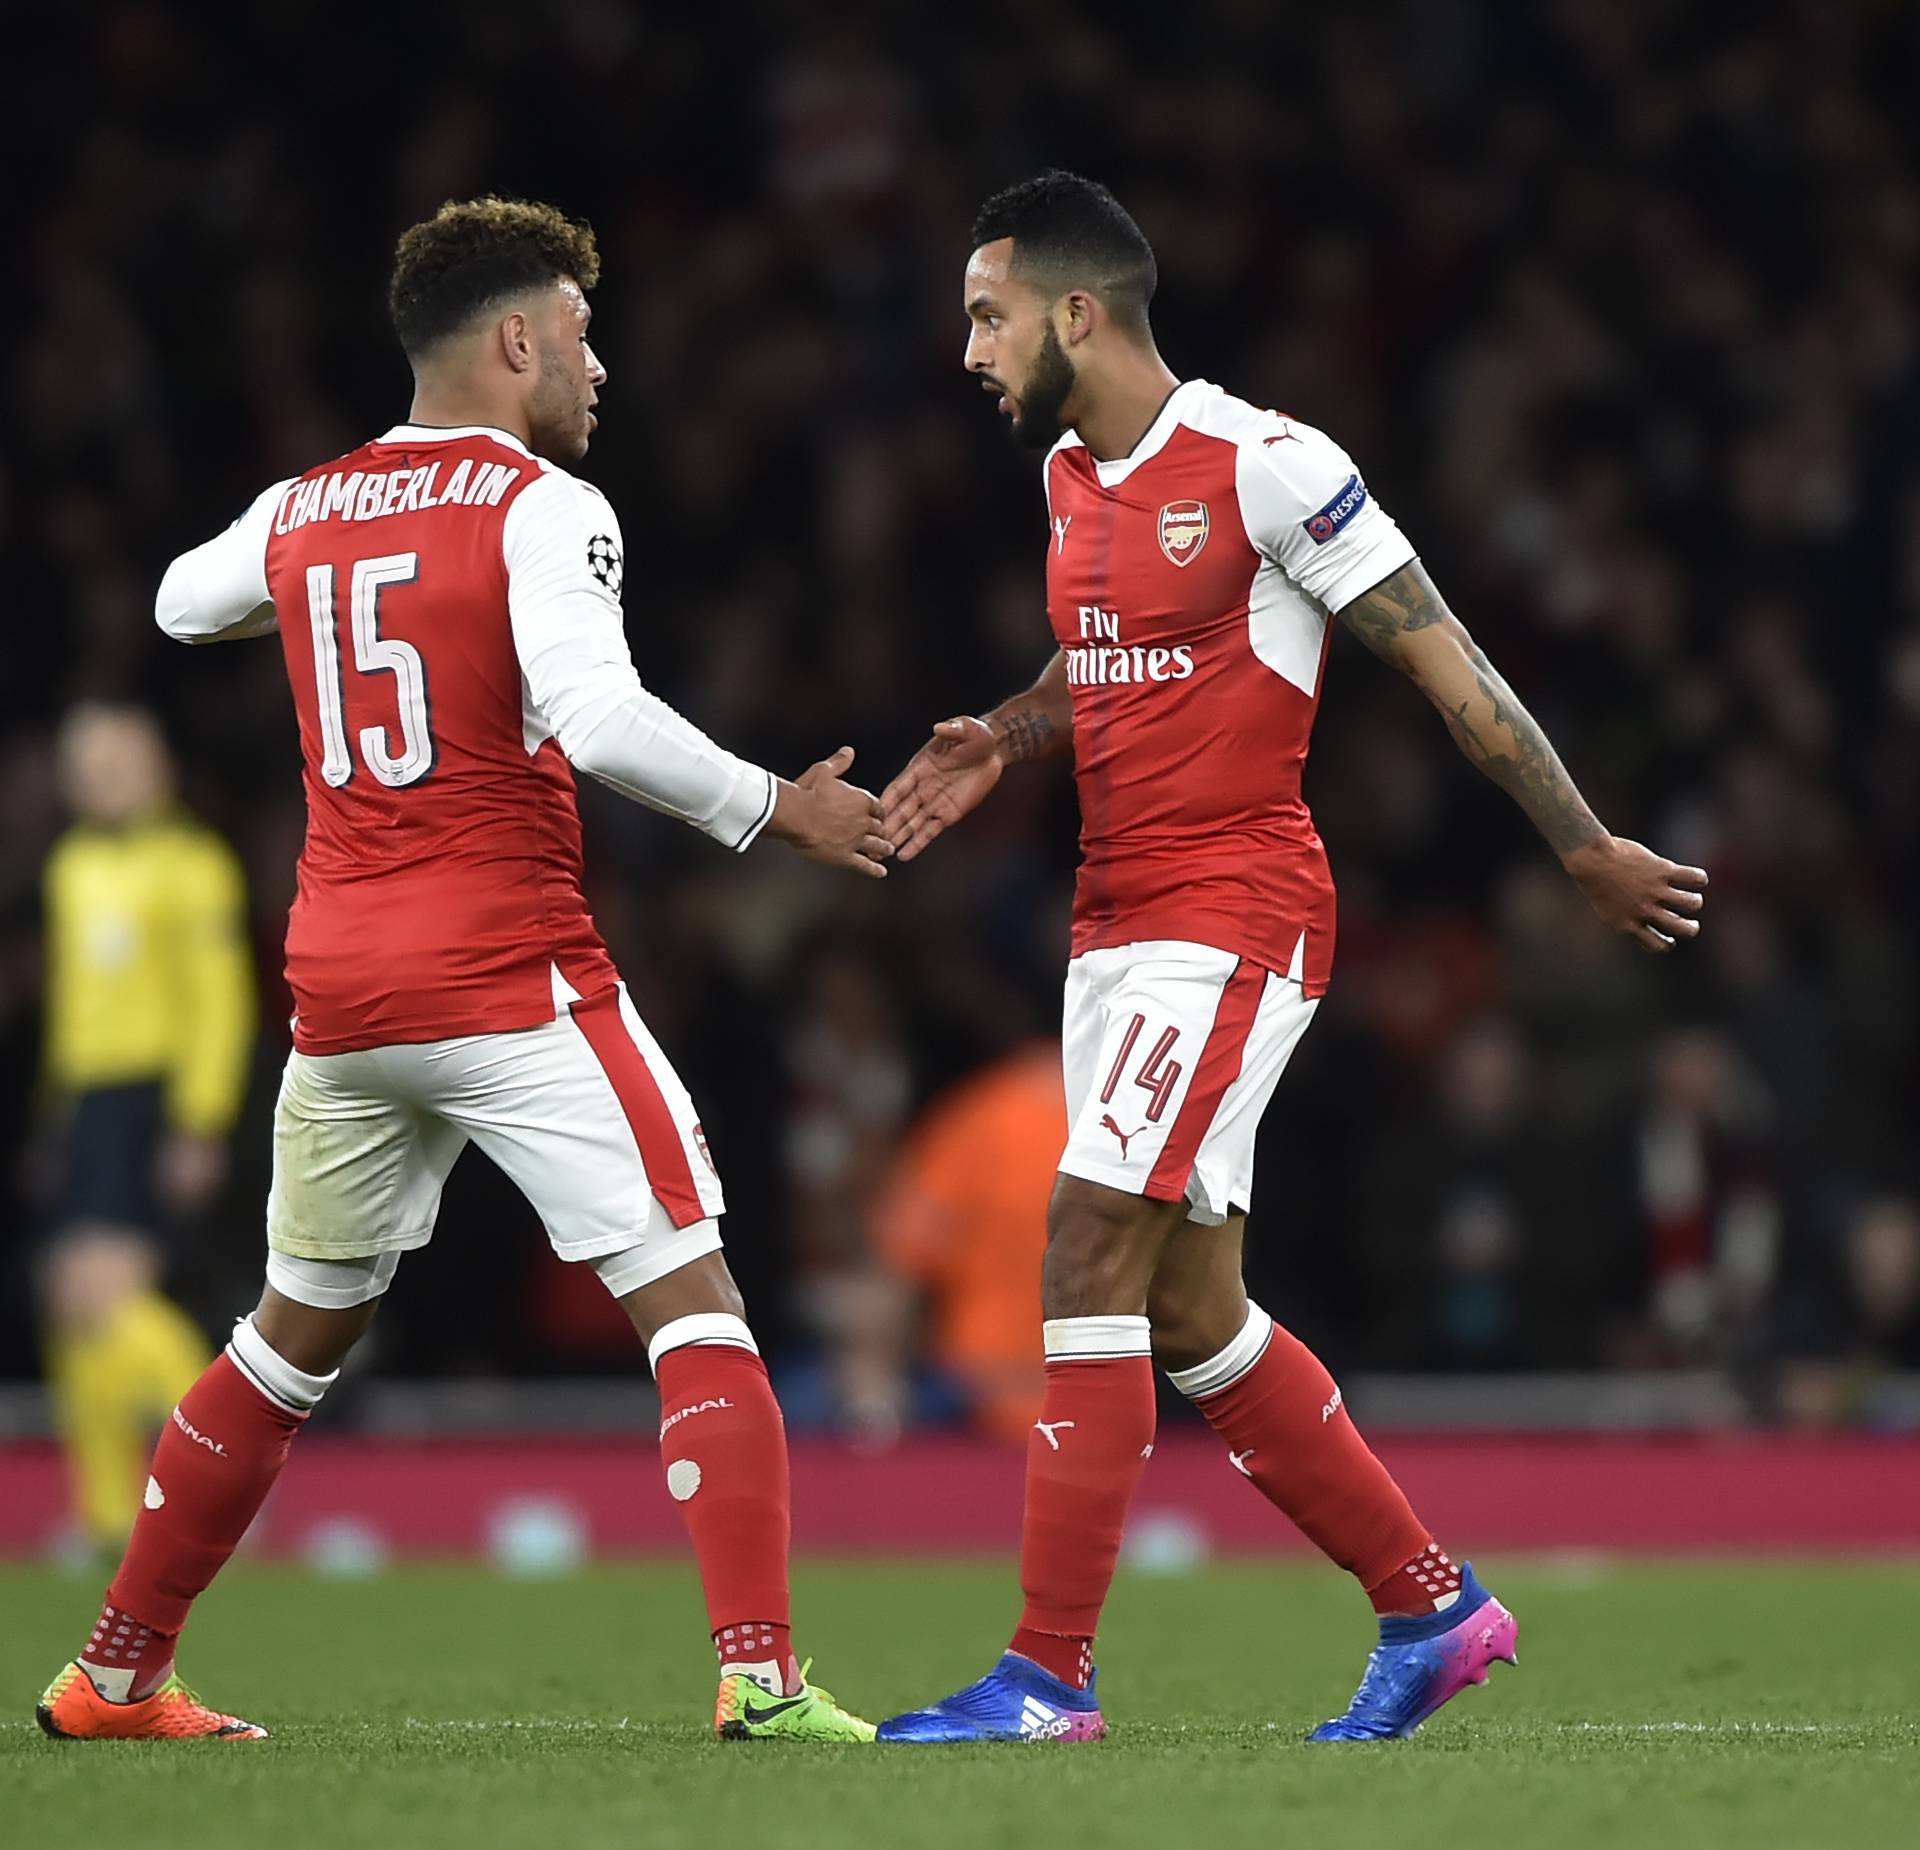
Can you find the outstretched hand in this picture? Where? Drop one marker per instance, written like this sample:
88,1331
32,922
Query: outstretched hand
948,776
832,821
1653,901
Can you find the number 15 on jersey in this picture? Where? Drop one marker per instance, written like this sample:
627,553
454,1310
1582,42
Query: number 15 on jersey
372,654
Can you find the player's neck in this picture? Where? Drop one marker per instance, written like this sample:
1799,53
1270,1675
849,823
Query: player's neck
450,407
1125,405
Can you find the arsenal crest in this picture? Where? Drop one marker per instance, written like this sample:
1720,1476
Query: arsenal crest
1183,530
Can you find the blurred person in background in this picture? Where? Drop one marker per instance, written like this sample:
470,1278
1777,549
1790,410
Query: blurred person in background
1708,1198
959,1234
849,1089
1458,1203
1848,1333
1883,1279
150,1015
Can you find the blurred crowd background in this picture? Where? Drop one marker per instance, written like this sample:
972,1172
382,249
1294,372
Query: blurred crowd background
1613,300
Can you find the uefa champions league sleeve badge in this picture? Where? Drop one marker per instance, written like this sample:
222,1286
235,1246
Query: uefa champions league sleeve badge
605,563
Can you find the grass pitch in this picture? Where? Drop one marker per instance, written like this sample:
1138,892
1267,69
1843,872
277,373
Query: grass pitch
1696,1707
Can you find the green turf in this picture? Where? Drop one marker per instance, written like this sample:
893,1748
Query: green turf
1701,1707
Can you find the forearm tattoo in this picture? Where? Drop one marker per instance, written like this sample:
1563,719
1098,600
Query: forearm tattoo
1506,742
1490,725
1025,734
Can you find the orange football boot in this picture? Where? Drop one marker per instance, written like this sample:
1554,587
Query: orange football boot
73,1710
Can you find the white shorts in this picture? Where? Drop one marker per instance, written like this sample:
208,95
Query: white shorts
584,1114
1171,1052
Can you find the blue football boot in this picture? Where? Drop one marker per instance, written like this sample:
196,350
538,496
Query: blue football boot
1015,1701
1419,1664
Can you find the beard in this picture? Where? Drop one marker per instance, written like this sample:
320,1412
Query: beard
558,414
1037,421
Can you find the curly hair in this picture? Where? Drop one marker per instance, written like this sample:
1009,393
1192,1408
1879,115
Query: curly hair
474,252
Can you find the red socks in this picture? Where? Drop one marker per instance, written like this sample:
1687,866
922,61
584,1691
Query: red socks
128,1661
724,1446
721,1439
217,1458
1281,1415
1084,1456
1269,1397
1418,1587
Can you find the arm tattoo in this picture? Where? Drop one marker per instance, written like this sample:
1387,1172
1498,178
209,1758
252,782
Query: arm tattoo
1038,723
1488,722
1402,604
1025,735
1524,764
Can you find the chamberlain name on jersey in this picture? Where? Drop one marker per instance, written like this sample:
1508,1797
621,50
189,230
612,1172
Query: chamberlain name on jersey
373,495
449,607
1190,586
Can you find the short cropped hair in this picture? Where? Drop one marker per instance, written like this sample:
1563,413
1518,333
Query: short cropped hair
1069,232
475,252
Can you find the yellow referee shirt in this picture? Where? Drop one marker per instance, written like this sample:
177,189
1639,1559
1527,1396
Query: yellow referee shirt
149,975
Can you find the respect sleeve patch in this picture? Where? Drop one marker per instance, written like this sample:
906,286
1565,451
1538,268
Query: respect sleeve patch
1321,527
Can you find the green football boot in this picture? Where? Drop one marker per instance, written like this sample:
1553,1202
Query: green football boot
743,1711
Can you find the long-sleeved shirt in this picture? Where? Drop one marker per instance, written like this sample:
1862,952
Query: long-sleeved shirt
449,605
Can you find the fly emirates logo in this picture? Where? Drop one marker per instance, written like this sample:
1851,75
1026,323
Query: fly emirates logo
1103,660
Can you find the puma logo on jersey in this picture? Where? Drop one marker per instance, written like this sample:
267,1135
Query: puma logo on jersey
1331,1408
1287,435
1238,1460
1060,526
1126,1137
1047,1431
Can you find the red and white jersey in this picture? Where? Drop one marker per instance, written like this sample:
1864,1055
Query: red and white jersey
1189,585
449,605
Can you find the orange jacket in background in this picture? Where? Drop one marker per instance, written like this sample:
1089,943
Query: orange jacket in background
964,1214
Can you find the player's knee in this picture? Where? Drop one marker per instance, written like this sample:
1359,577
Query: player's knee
702,1288
1101,1250
1193,1319
1170,1312
316,1337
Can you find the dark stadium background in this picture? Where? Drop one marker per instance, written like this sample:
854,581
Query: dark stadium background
1614,301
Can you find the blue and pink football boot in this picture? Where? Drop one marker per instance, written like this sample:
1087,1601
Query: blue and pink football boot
1420,1664
1015,1701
